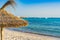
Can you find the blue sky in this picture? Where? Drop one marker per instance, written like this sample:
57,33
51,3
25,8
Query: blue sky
37,1
35,8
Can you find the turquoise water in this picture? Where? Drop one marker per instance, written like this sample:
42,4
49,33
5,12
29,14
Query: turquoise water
45,26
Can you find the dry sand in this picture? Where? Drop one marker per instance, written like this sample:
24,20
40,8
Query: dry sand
14,35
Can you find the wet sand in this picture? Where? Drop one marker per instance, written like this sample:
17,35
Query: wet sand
14,35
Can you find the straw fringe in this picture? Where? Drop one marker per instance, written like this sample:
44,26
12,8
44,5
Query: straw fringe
9,20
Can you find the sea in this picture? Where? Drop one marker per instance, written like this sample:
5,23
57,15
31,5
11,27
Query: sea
41,26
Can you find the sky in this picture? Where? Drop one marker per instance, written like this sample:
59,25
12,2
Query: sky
34,8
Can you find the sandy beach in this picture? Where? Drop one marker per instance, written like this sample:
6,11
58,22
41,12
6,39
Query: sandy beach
15,35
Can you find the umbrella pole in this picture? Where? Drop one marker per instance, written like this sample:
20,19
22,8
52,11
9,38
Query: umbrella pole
1,33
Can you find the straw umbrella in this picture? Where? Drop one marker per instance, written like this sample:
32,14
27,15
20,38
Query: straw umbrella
9,20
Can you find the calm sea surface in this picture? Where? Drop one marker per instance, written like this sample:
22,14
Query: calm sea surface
45,26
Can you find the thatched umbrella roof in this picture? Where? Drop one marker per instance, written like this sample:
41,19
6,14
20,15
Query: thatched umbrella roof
9,20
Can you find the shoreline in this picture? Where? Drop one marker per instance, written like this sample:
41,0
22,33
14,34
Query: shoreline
12,35
36,33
